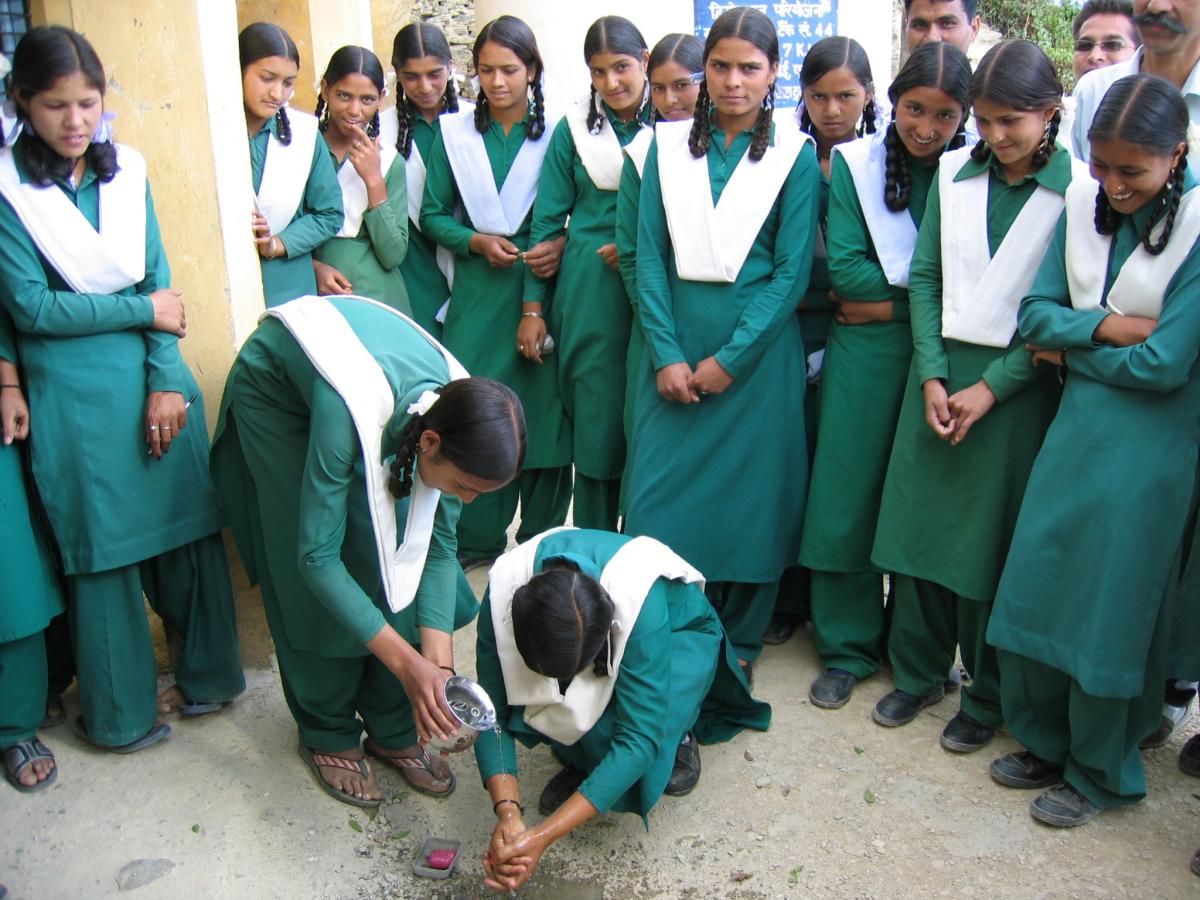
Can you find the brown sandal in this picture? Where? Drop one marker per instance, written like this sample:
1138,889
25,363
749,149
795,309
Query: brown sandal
316,761
425,773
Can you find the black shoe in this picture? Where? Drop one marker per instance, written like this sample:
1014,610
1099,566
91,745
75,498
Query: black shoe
901,707
1024,770
1195,866
832,689
963,734
779,630
1189,757
1063,807
559,788
686,773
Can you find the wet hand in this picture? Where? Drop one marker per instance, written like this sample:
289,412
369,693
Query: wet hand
525,851
968,406
937,409
166,417
674,383
330,280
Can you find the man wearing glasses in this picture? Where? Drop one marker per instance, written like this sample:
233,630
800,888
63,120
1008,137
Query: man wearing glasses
1104,34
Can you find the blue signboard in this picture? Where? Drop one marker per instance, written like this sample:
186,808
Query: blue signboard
799,25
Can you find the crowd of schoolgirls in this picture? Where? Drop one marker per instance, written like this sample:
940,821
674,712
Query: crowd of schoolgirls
902,333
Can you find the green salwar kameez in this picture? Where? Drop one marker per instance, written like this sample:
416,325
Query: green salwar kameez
426,285
947,512
678,674
1088,599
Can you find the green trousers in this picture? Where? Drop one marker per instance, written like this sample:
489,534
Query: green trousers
928,622
597,503
1095,739
544,495
745,609
22,688
114,654
848,626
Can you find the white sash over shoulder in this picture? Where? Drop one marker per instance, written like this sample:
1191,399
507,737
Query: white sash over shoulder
285,171
894,234
600,153
1141,286
99,262
628,578
341,359
711,243
492,212
354,191
639,147
981,292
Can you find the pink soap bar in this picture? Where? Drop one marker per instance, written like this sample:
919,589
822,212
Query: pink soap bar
441,859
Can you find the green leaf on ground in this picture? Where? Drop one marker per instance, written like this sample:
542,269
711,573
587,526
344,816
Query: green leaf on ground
398,796
859,750
869,795
400,835
794,876
354,826
195,829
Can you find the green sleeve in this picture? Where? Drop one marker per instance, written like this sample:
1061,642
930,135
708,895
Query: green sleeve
627,226
387,223
1046,317
164,364
37,309
765,315
854,269
8,339
321,212
639,698
438,591
653,257
492,757
1008,375
441,200
329,476
925,294
554,202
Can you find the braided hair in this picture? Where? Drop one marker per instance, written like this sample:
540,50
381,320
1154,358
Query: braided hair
481,427
935,64
513,34
351,60
684,49
416,41
750,25
828,55
44,55
562,621
619,36
260,40
1018,75
1148,112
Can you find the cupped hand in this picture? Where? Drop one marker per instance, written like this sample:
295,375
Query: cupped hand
524,850
502,876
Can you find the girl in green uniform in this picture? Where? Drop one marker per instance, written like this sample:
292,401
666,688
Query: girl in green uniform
590,315
365,256
298,201
326,397
975,408
84,277
878,191
1088,598
425,78
717,448
489,162
605,648
30,593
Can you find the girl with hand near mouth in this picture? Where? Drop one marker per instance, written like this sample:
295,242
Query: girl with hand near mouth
590,312
878,192
298,201
502,144
975,407
1087,604
364,258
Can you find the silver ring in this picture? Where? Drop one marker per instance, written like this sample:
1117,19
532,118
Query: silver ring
166,428
521,347
154,428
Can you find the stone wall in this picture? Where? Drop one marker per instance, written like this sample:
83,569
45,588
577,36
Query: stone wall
456,18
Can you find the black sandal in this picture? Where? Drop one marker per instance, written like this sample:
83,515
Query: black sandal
20,756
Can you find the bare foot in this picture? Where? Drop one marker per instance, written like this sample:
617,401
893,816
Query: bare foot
169,701
38,770
348,781
428,772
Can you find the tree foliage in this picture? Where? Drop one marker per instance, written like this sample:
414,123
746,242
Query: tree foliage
1045,22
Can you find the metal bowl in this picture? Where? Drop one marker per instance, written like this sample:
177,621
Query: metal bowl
473,709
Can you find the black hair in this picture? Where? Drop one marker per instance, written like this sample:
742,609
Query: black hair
1148,112
832,53
44,55
971,7
562,620
613,34
261,40
748,24
511,32
416,41
684,49
1018,75
1106,7
482,428
935,64
351,60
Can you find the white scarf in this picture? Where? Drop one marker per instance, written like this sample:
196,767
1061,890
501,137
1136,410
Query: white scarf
628,578
894,234
981,292
354,191
106,261
1141,286
341,359
712,243
492,212
415,172
639,147
600,153
285,171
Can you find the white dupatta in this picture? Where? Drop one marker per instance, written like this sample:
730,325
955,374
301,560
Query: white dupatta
285,171
600,153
